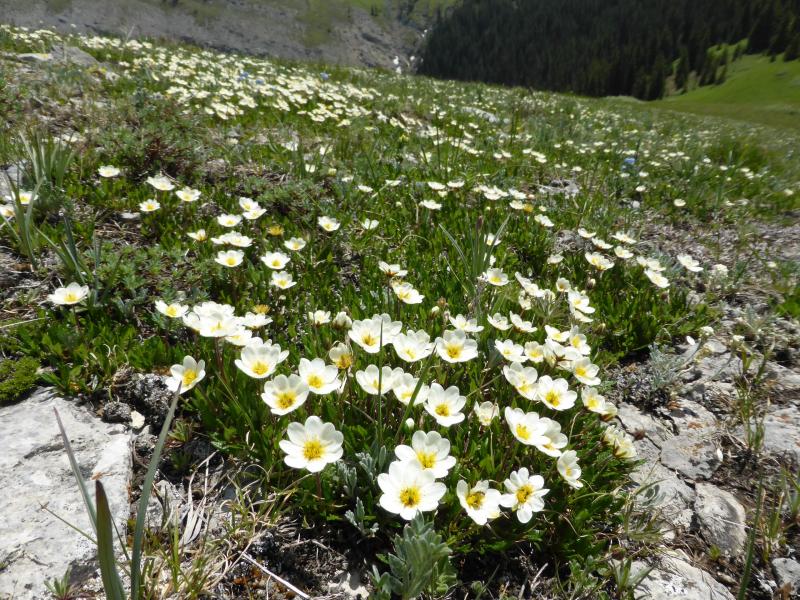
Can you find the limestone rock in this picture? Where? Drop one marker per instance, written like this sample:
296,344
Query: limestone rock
35,473
673,578
782,433
667,492
787,573
721,518
635,420
692,455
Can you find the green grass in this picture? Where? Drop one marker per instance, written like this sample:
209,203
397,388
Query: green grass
757,90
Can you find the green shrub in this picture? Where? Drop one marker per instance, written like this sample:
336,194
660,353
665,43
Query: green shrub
16,378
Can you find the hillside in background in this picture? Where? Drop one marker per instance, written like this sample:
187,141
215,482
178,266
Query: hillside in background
349,32
606,47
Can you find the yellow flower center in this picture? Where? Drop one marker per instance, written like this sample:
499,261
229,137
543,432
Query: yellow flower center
475,499
410,496
231,261
369,340
553,398
276,263
71,297
314,381
580,371
172,311
567,472
260,368
523,493
411,353
285,399
453,351
522,432
426,459
312,449
344,361
443,410
189,377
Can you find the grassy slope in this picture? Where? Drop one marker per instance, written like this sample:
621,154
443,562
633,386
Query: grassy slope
756,90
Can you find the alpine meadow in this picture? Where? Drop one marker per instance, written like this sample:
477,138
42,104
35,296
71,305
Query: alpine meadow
276,329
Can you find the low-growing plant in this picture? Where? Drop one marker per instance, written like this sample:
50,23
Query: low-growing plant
17,377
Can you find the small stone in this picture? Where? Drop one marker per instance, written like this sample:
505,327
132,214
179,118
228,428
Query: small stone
116,412
714,346
635,421
666,492
349,585
689,416
673,578
787,574
693,456
721,518
137,420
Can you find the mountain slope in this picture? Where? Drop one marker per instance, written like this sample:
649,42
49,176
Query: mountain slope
351,32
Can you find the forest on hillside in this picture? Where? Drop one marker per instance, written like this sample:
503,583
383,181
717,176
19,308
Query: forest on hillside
606,47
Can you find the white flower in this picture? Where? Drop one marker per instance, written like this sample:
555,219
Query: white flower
569,469
563,285
486,412
431,205
495,277
499,322
253,320
285,394
372,334
213,322
522,378
689,263
454,347
375,381
598,261
555,393
282,280
407,293
260,361
173,310
622,252
312,445
108,171
466,325
149,205
161,183
521,324
445,404
341,356
248,204
577,341
187,194
585,372
391,270
69,295
413,345
328,224
620,442
657,278
229,258
275,260
430,450
320,378
525,493
229,220
199,236
369,224
408,489
528,428
481,502
580,302
319,317
295,244
554,439
404,387
510,351
187,375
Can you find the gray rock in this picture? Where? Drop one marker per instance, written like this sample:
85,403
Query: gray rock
787,574
782,433
164,505
116,412
634,420
59,54
673,578
689,416
721,518
692,455
35,473
147,393
666,492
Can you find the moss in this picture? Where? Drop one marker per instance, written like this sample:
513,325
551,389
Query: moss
16,378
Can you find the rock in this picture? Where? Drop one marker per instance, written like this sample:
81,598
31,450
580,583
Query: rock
137,420
721,518
692,455
787,574
634,421
147,393
165,504
35,473
59,54
782,433
116,412
348,585
667,493
673,578
714,346
689,416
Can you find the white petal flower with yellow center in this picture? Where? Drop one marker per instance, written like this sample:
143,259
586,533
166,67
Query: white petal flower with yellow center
580,302
275,260
149,205
499,322
260,361
495,277
229,220
319,317
598,261
108,171
555,393
372,334
689,263
522,378
464,324
586,372
430,450
377,382
295,244
409,490
510,351
657,279
199,236
69,295
320,378
392,270
528,428
524,494
229,258
328,224
569,469
407,293
161,183
284,394
173,310
455,347
405,385
445,404
554,440
312,445
282,280
413,345
187,375
521,324
622,252
481,502
341,356
187,194
577,341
